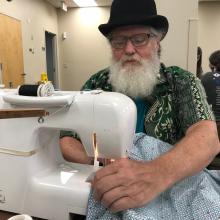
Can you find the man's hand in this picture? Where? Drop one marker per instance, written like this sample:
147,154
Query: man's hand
128,184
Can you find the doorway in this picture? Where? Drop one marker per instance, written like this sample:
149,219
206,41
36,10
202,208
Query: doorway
11,52
51,58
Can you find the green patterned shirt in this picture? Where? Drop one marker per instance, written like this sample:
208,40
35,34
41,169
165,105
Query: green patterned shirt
177,102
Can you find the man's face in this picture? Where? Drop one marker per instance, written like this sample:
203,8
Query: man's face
138,34
135,61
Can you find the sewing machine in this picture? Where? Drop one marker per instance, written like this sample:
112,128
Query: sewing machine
34,177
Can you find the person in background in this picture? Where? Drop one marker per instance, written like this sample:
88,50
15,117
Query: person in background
171,106
199,70
211,83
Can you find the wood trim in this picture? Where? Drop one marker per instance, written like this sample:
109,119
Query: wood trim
22,113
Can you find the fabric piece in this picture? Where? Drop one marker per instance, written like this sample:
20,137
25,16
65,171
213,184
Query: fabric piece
142,108
194,198
64,133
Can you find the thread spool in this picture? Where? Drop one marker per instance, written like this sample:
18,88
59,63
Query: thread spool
42,90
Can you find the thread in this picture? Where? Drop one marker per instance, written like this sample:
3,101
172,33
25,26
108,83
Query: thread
28,90
42,90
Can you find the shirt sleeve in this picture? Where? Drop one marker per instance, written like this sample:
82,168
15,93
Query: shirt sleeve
189,98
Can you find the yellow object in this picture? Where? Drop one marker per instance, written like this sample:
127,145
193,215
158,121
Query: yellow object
44,77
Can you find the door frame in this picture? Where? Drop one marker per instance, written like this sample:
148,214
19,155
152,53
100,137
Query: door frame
55,57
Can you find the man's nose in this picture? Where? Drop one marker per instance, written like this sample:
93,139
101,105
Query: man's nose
129,48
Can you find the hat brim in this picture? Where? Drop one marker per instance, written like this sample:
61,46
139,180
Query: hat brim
158,22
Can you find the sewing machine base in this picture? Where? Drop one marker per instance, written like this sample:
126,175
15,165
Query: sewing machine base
44,185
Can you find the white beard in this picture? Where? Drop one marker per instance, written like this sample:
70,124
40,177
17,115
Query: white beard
135,80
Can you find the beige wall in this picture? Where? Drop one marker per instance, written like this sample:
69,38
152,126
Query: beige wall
209,30
36,16
85,50
180,45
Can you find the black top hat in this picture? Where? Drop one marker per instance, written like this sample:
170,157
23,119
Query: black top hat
134,12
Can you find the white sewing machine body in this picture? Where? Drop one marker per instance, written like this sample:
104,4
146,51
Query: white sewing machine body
35,179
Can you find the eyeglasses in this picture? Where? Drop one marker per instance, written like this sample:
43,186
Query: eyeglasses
137,40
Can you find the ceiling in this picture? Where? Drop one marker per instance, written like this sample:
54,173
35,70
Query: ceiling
70,3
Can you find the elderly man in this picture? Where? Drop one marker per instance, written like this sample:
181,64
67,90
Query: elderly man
170,103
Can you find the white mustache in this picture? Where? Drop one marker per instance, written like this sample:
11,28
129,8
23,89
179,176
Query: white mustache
130,58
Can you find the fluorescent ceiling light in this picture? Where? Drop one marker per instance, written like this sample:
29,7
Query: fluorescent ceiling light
85,3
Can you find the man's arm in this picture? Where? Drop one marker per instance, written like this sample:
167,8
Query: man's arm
129,184
195,151
73,150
